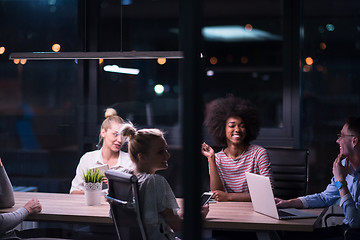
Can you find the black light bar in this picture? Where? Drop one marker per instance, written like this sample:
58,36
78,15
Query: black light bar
96,55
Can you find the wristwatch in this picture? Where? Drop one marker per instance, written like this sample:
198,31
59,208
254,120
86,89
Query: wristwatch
340,184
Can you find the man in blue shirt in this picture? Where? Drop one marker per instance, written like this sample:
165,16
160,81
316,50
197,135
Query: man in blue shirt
345,184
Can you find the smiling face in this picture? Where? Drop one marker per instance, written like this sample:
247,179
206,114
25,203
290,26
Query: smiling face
235,131
111,137
345,141
157,156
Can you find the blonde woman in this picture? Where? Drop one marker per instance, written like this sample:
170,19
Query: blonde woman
109,154
148,151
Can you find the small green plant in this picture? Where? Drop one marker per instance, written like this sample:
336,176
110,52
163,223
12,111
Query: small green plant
93,176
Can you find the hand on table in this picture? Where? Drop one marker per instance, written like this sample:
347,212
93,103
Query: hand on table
220,196
33,206
292,203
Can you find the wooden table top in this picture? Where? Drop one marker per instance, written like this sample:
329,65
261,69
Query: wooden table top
63,208
240,215
222,215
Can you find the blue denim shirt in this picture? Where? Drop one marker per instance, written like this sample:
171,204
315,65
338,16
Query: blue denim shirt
350,203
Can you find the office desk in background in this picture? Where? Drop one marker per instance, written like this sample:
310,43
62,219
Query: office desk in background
57,207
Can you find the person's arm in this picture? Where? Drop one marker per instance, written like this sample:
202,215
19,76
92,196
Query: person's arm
77,184
292,203
173,220
10,220
7,195
264,165
215,180
347,202
222,196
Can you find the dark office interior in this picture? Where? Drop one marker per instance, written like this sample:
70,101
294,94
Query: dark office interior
296,60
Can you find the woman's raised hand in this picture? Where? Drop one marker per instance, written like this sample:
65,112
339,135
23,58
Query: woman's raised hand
207,151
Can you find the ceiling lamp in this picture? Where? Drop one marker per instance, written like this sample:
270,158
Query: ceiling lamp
96,55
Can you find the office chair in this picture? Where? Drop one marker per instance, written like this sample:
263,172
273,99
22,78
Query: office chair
125,209
290,171
350,233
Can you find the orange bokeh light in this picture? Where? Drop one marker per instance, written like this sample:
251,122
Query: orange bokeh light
248,27
55,47
16,61
322,46
161,61
101,61
2,50
244,59
213,60
309,61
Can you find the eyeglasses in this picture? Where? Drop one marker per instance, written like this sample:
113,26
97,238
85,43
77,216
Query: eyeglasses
339,135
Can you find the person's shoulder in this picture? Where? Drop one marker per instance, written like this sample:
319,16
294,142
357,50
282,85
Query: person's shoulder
94,152
220,153
259,150
256,147
90,155
155,177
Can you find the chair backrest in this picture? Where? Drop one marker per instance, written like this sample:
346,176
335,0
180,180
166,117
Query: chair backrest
125,209
290,171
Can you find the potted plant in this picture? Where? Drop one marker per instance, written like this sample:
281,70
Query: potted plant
93,186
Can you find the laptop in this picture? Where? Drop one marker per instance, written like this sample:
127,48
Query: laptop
263,202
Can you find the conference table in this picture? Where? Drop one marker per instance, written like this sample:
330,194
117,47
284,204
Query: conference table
71,208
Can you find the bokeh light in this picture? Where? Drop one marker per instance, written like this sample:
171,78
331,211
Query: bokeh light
306,68
159,89
330,27
213,60
322,46
2,50
309,61
210,73
55,47
248,27
161,61
244,59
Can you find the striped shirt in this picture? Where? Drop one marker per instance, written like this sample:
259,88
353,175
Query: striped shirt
232,171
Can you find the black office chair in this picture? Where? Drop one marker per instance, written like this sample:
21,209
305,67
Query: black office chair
350,233
125,209
290,171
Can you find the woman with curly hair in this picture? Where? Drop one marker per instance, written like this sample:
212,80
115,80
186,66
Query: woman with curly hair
234,122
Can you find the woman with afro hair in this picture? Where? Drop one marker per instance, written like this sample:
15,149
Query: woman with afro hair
234,122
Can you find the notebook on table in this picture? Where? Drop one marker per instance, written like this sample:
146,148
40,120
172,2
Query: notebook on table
102,169
263,202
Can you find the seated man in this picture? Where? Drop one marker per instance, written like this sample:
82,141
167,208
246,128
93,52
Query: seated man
344,185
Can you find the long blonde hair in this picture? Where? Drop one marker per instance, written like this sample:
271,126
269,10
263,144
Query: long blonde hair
139,141
110,117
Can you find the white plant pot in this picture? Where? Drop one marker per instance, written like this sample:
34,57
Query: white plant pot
93,193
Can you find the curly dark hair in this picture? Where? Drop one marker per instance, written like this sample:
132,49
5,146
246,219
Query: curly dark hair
223,108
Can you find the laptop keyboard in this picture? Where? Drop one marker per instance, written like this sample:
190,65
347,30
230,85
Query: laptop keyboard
285,214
